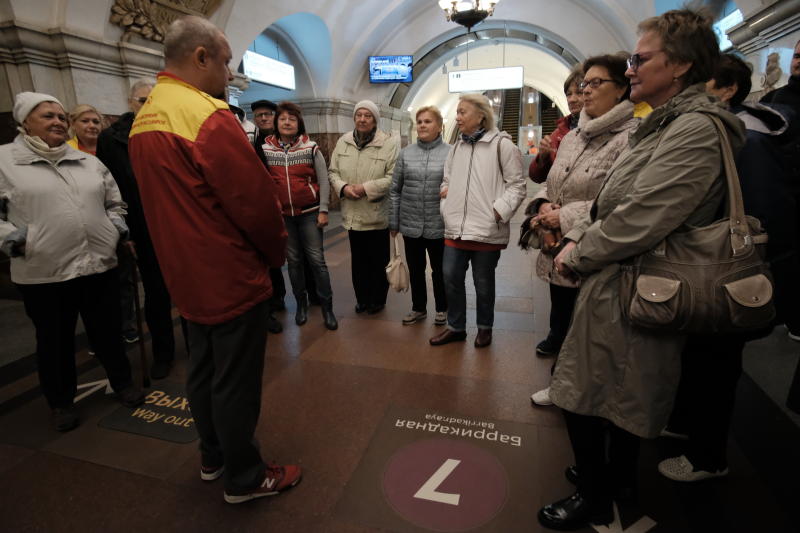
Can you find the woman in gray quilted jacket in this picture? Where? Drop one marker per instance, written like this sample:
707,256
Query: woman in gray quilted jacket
414,197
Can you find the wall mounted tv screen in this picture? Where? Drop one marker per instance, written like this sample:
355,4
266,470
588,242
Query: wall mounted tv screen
390,69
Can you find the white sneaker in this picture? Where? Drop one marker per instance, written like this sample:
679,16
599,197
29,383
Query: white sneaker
414,317
542,398
792,335
681,469
440,319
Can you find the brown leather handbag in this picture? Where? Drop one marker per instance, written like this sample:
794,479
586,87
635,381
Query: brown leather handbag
711,279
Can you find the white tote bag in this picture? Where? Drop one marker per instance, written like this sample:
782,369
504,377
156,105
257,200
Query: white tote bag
396,270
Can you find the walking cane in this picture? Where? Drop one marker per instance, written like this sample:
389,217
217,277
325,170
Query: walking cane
138,307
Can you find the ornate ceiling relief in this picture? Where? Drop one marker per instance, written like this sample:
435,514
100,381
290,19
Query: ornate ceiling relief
150,18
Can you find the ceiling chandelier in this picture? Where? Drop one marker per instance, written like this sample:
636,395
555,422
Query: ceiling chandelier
468,13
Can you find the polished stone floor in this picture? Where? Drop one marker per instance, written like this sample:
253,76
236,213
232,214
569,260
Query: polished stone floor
331,403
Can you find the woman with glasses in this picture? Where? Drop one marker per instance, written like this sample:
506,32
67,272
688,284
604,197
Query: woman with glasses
548,146
584,158
615,382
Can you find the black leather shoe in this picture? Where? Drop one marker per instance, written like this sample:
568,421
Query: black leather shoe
273,326
447,336
360,308
483,338
547,347
374,309
329,318
131,396
301,315
575,512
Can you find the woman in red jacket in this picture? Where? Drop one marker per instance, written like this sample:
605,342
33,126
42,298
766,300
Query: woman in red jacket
540,166
298,168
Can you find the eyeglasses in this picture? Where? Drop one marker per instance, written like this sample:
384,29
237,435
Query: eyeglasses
594,83
636,60
264,114
141,99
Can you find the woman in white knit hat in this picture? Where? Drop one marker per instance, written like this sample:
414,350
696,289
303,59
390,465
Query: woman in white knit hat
60,221
361,173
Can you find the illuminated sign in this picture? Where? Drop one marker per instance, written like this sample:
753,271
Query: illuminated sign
464,81
723,25
268,70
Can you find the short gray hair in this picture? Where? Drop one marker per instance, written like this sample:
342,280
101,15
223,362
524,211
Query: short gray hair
141,84
483,105
187,33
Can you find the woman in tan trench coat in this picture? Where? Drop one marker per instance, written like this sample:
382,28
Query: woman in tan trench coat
610,376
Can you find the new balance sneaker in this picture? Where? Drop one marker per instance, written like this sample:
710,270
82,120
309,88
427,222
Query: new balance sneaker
440,319
278,478
210,473
681,469
413,317
130,337
542,398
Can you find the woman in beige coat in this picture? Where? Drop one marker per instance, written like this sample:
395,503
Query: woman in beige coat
616,382
361,173
584,158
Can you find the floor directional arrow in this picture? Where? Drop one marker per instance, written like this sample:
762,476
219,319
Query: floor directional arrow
643,525
94,386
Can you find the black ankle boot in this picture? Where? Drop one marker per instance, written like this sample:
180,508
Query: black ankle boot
301,315
328,317
575,512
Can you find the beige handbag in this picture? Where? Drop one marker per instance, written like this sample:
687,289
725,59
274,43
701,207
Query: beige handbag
396,270
705,280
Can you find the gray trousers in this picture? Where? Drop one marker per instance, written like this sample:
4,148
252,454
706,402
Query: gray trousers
226,363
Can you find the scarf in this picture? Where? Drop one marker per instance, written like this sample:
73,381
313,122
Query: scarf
38,146
361,142
475,137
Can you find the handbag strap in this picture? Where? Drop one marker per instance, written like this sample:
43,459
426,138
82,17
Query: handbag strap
395,244
741,239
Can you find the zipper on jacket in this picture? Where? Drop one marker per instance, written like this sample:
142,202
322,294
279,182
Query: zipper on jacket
466,193
288,183
425,189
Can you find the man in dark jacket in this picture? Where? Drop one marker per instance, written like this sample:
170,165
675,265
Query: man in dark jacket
112,150
789,94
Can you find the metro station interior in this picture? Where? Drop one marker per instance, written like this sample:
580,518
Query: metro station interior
355,407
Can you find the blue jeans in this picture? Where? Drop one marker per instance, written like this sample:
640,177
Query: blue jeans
455,264
306,238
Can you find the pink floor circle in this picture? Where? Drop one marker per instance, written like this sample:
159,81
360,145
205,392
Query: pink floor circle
445,484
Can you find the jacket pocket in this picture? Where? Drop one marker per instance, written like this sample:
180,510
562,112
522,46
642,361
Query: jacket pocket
30,241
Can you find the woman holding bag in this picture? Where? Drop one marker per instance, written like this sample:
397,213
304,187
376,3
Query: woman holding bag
584,158
613,379
414,197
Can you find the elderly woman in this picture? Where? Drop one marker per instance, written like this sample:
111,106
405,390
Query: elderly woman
361,173
415,212
483,186
548,146
85,123
296,164
611,377
60,220
584,158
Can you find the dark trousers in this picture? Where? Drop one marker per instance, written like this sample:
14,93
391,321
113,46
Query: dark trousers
711,367
226,363
415,256
369,254
606,456
54,310
278,288
125,266
562,303
157,303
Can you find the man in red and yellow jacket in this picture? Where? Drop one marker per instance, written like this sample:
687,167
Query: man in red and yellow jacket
216,226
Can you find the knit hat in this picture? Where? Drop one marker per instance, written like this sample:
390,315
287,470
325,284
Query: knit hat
263,103
25,102
370,106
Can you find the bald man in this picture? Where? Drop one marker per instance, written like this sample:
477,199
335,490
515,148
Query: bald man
216,225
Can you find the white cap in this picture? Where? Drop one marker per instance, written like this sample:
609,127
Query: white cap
25,102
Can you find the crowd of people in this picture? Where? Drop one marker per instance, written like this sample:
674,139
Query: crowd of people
183,183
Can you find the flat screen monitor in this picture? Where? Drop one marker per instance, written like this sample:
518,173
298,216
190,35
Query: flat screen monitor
390,69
